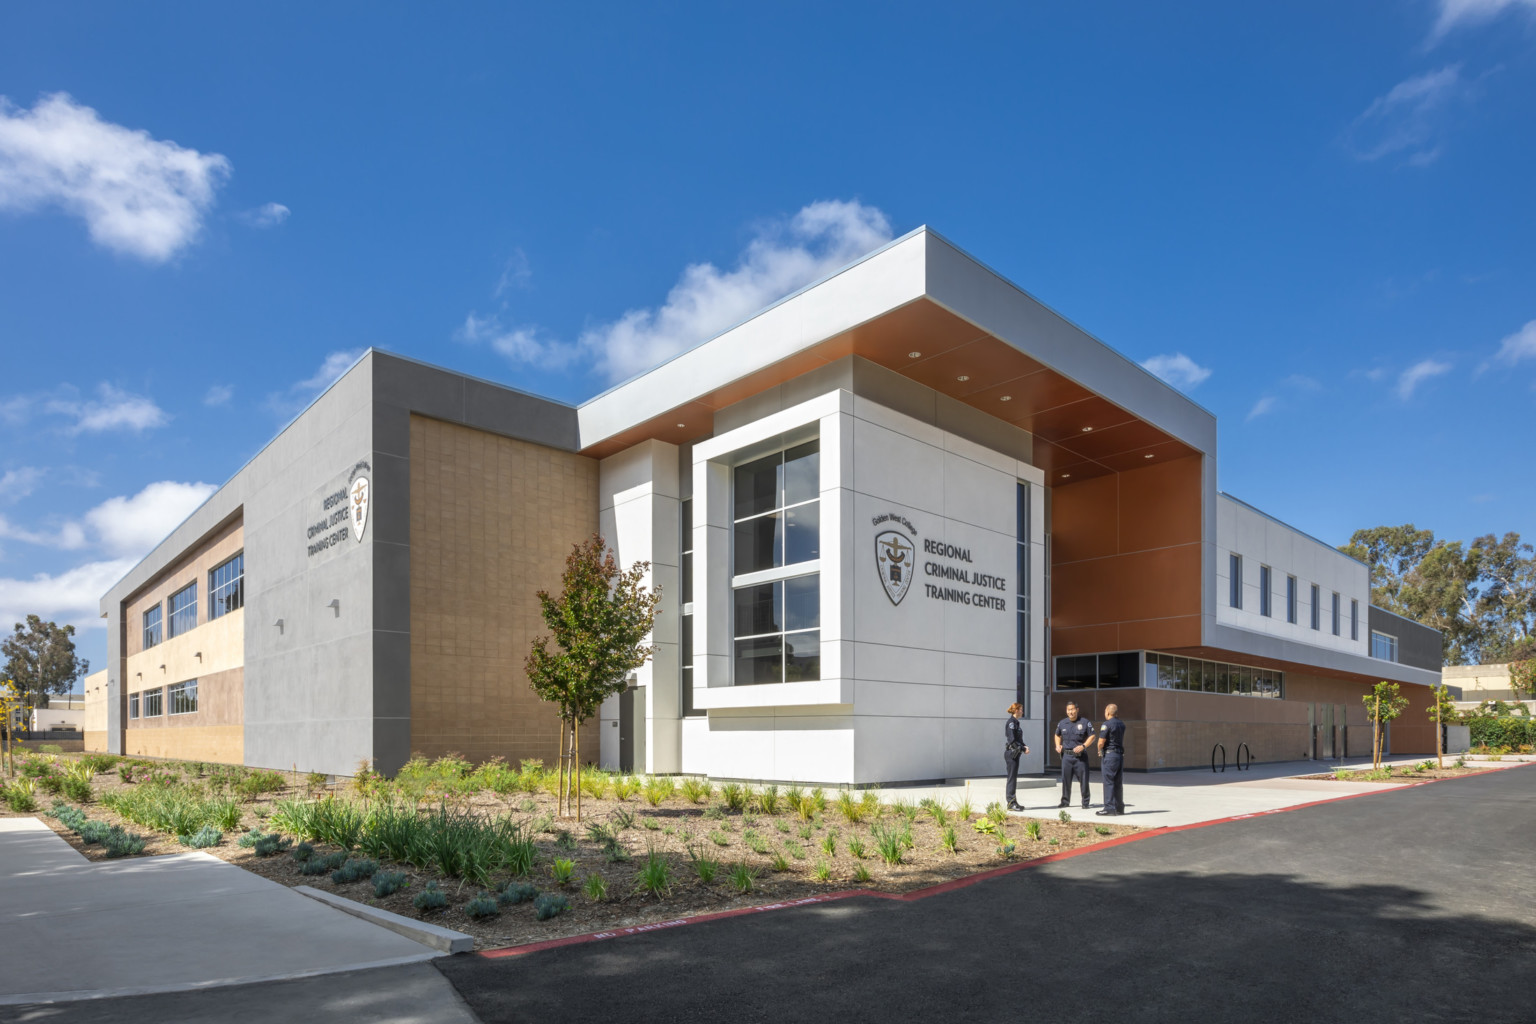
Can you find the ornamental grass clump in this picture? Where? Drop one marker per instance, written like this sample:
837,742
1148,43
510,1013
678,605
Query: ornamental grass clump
949,840
595,887
655,876
743,878
1032,829
705,869
595,782
780,862
21,796
174,808
658,790
625,787
888,843
856,847
768,799
735,796
996,813
860,873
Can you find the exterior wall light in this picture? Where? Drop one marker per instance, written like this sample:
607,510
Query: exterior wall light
1005,398
335,606
963,378
913,355
279,625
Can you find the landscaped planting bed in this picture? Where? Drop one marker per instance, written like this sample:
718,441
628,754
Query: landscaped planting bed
483,850
1420,772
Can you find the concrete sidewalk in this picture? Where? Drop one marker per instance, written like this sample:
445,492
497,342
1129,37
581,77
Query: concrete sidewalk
1163,799
73,929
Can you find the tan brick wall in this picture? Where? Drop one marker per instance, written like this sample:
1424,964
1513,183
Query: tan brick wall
492,520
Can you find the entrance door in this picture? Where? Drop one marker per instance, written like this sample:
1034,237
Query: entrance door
1326,734
627,730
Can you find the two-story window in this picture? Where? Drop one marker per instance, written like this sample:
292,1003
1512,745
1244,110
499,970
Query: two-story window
183,611
152,624
226,587
776,583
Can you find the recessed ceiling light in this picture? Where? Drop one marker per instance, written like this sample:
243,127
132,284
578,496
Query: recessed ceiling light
681,425
963,378
913,355
1066,476
1005,398
1086,429
1147,456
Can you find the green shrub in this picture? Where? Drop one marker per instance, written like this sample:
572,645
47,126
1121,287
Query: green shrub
596,887
997,813
829,845
99,763
780,862
174,808
21,797
70,817
743,878
51,748
1005,848
121,843
355,871
387,883
562,871
795,850
1101,830
706,869
767,799
302,852
856,847
658,789
650,823
1064,817
430,898
549,905
860,873
823,871
261,781
719,838
654,876
315,866
948,839
203,838
714,812
1503,731
625,787
805,832
483,905
520,892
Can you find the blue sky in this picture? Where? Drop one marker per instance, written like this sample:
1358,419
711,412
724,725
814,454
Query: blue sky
1316,219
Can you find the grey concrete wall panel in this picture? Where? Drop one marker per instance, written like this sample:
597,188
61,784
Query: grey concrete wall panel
1417,645
1262,645
445,395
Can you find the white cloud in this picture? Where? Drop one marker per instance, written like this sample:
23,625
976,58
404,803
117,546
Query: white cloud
133,526
268,215
219,394
69,537
1404,121
299,395
1262,407
1518,346
73,596
114,409
1417,374
1178,370
137,195
16,484
1459,12
782,258
516,274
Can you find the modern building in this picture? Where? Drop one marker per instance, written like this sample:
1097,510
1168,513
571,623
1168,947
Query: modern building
879,511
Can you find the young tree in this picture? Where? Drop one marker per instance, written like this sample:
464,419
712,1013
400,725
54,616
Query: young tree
1442,709
1382,705
40,659
10,703
1522,678
598,623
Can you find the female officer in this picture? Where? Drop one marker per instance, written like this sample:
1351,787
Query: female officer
1013,746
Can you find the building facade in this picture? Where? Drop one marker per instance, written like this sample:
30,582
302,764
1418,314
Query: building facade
878,513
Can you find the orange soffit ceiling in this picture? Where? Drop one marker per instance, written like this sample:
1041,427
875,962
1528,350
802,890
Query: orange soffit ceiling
1078,435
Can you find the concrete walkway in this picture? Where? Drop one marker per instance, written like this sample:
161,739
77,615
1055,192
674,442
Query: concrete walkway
73,929
1163,799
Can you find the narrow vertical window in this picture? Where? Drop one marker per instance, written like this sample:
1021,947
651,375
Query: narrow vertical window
226,587
1264,608
1317,606
1235,582
152,624
1290,599
685,622
1354,619
1335,616
183,611
1021,590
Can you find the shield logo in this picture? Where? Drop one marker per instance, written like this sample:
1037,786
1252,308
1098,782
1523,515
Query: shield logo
361,493
894,558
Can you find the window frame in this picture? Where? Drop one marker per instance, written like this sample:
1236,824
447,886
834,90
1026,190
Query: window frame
178,691
1391,644
133,707
1266,581
1292,600
159,627
1335,612
188,608
216,607
1235,580
1354,618
1317,607
158,693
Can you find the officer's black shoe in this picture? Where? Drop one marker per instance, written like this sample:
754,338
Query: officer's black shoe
1065,803
1112,814
1014,807
1086,806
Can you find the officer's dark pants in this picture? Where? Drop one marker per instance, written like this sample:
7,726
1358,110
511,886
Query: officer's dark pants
1073,766
1113,770
1011,762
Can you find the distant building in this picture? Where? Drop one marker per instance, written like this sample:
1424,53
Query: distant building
879,512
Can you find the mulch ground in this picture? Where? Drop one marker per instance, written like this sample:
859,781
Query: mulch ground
677,830
1400,775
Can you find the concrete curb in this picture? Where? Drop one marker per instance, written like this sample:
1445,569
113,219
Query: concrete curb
443,939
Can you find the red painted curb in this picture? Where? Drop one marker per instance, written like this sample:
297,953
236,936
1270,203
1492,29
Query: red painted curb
942,887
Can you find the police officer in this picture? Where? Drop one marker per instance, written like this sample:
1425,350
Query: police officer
1073,734
1013,746
1112,760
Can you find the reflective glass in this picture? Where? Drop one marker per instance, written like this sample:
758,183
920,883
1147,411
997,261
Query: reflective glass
757,485
1223,677
802,602
1167,678
759,609
760,660
802,656
802,537
1078,672
1150,673
759,544
685,582
802,473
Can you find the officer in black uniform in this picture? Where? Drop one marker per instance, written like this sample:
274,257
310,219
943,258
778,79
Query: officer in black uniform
1013,746
1073,734
1112,760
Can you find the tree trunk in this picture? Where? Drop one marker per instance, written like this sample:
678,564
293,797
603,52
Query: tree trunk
1439,734
560,769
576,764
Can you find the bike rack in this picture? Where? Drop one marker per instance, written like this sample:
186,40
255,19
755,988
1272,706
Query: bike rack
1223,757
1238,757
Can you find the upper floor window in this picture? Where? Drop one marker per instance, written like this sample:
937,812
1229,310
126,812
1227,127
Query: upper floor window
1383,646
1264,608
1290,599
778,631
152,627
226,587
183,610
1335,613
1317,606
778,510
1235,582
1354,619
